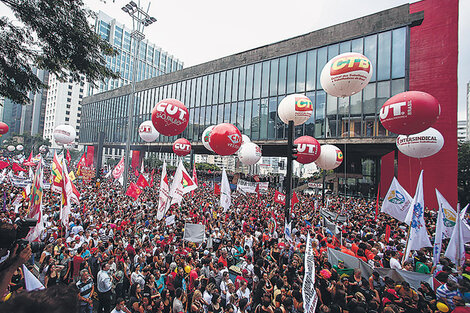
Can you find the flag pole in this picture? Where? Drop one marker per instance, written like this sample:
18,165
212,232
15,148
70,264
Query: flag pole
406,246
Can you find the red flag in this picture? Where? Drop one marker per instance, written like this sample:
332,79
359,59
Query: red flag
387,233
279,198
3,164
133,191
204,185
135,159
30,157
256,178
90,153
151,177
142,182
217,189
209,172
377,203
68,157
81,163
136,173
257,190
16,167
294,199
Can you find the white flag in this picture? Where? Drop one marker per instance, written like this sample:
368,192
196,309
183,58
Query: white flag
182,184
163,195
225,195
456,248
418,235
288,231
67,207
445,223
309,293
31,282
119,169
397,201
170,220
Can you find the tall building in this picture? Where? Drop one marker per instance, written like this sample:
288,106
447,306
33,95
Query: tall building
406,46
64,99
462,131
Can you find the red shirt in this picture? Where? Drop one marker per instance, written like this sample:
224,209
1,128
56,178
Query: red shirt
223,261
77,260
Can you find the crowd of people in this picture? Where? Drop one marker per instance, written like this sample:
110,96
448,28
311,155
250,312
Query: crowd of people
115,256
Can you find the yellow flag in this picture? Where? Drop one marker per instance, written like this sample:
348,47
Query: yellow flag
72,176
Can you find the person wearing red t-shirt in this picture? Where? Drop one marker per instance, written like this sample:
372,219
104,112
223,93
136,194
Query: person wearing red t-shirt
223,258
193,276
76,262
130,249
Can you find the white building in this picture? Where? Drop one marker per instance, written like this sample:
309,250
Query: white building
462,131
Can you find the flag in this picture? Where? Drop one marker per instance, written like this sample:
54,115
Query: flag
56,175
397,201
288,232
35,203
272,225
90,153
216,189
279,197
194,232
4,164
119,169
182,184
151,177
377,204
163,196
16,167
68,157
67,193
294,199
446,219
418,235
456,247
72,176
170,220
136,172
309,293
142,182
75,195
387,233
133,191
29,158
81,163
257,190
30,281
209,172
225,195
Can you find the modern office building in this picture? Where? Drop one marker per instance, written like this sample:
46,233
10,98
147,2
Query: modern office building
406,45
64,99
462,134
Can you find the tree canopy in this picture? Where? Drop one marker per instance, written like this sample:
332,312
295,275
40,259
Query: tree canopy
53,35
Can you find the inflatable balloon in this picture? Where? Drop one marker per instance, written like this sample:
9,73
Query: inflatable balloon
245,139
181,147
170,117
3,128
147,132
225,139
330,157
308,149
442,307
206,137
421,145
297,108
249,153
346,74
11,148
64,134
19,147
409,112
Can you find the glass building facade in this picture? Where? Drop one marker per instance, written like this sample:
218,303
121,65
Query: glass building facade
248,95
152,60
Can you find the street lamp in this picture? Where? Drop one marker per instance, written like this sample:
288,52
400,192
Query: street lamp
140,19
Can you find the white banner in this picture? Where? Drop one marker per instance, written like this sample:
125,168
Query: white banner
244,186
309,293
315,185
397,202
194,232
170,220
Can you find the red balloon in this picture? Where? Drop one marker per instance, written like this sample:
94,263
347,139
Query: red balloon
181,147
3,128
308,149
170,117
410,112
225,139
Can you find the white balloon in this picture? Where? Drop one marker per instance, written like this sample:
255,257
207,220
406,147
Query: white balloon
11,148
296,107
147,131
330,157
245,139
249,153
206,138
19,147
346,74
64,134
421,145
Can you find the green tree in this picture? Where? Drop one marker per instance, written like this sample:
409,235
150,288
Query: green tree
463,175
56,36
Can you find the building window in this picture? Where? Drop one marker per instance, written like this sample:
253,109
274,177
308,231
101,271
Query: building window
67,112
67,119
69,93
69,100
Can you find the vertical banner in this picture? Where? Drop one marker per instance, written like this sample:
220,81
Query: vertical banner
309,293
135,159
90,153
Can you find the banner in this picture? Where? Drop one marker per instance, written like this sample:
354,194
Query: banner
309,294
21,182
135,159
90,153
194,232
315,185
279,197
250,187
119,169
333,216
446,220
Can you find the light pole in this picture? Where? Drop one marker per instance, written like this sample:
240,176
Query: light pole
140,19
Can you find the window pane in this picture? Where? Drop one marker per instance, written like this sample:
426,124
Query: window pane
383,93
222,87
220,114
202,119
311,72
228,87
272,115
210,81
241,84
214,115
291,73
333,50
227,113
204,91
265,79
398,52
198,91
249,82
263,129
274,77
321,61
320,114
301,63
233,114
398,85
369,99
356,104
257,81
310,123
282,76
247,127
331,111
370,51
384,55
345,47
240,115
255,120
235,84
215,93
